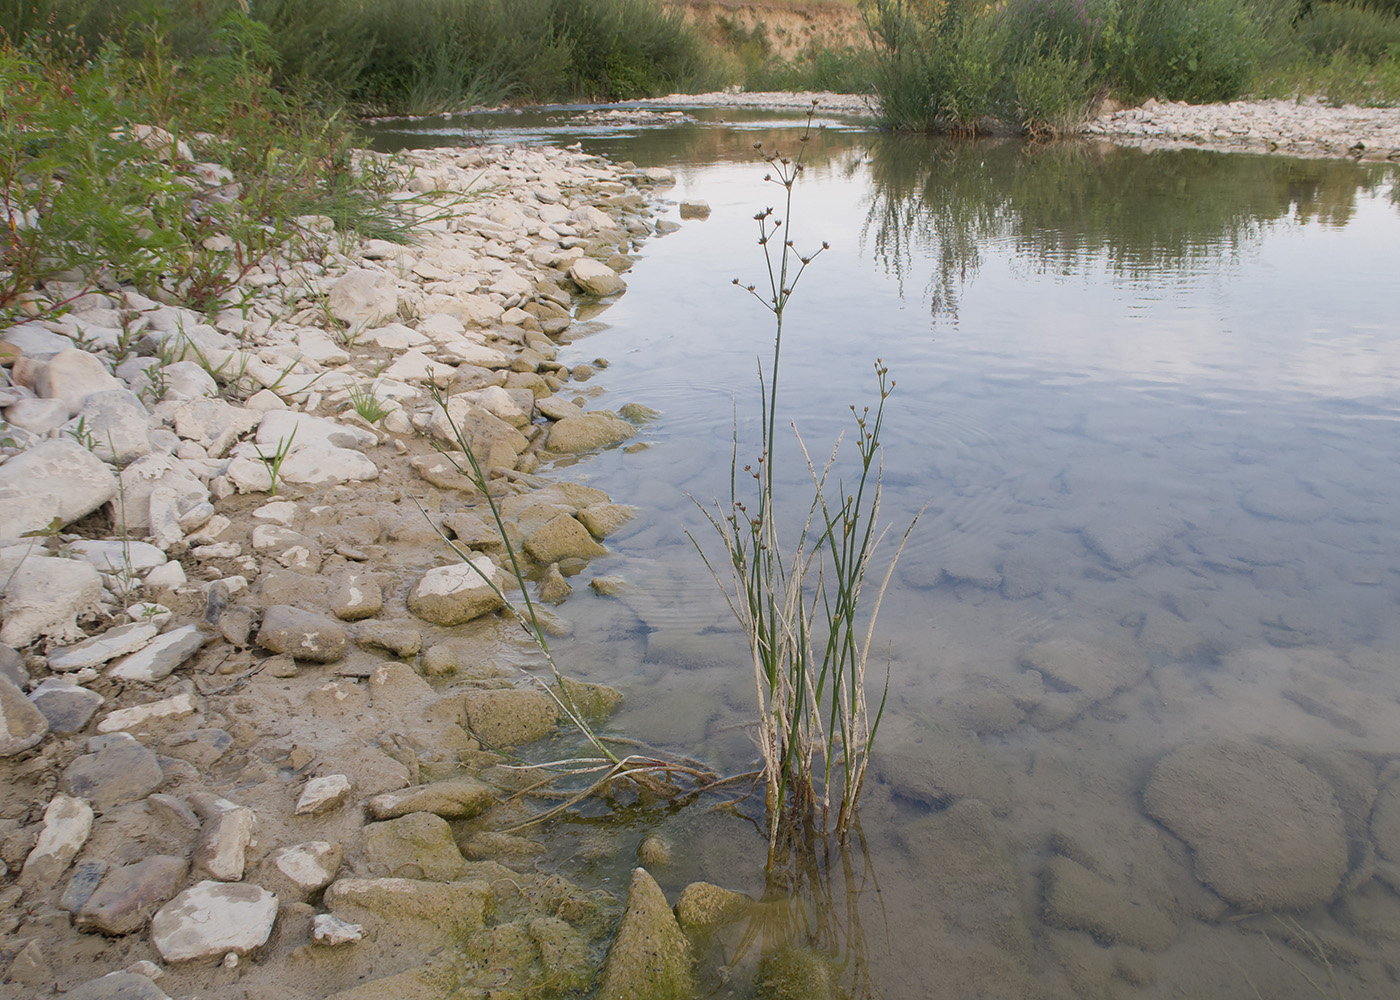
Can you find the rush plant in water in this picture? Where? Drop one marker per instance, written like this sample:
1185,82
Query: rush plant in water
796,589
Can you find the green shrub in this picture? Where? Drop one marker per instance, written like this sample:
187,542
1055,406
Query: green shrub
1358,31
416,56
92,203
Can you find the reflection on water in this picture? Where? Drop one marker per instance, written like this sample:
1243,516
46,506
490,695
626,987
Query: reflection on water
1065,207
1143,735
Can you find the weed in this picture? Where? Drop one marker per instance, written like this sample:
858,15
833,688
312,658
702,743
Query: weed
274,461
367,405
798,600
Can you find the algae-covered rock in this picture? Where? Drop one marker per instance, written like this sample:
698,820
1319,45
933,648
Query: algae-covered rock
509,716
704,907
796,973
591,700
590,431
562,537
417,845
650,957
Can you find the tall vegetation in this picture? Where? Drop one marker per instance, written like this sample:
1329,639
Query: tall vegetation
418,56
1037,65
796,588
175,176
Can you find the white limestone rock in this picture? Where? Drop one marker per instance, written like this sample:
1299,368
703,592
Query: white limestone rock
364,298
73,376
67,824
59,480
212,919
45,597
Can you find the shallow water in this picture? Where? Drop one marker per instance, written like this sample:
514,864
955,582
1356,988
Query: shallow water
1152,401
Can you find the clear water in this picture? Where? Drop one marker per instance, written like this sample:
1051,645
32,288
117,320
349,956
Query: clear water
1153,403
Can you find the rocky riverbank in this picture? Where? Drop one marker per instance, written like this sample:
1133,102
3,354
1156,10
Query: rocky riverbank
252,701
1297,128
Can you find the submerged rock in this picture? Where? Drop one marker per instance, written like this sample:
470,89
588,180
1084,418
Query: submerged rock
1266,831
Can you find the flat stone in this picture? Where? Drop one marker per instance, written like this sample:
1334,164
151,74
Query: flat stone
1265,831
22,725
100,649
299,871
119,425
67,824
323,794
223,841
1385,821
458,798
452,595
176,707
213,918
116,556
129,895
355,595
419,845
939,766
67,705
303,634
86,877
160,657
118,986
117,774
331,931
1078,900
403,639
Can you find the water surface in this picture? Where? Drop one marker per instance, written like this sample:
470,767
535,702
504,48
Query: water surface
1151,400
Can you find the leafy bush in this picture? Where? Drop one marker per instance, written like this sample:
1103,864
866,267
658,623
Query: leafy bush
1036,65
95,192
417,56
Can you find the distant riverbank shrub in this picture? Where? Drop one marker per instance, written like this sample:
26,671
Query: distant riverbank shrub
418,56
1038,65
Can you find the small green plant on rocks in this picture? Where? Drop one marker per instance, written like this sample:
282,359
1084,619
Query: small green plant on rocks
364,402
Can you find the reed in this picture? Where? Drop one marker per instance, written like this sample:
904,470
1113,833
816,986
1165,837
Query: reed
799,600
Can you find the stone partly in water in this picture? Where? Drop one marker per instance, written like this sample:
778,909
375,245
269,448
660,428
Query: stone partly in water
507,717
1266,832
650,957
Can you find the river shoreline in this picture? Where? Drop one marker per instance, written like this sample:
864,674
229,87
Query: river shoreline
252,695
1305,127
253,700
